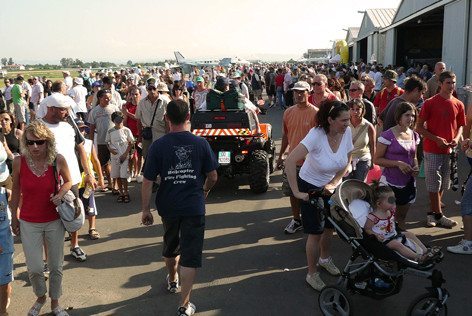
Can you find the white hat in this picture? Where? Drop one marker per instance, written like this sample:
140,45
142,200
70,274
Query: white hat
79,81
57,100
301,85
162,87
66,72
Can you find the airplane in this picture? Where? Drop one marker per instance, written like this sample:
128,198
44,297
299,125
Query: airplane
186,64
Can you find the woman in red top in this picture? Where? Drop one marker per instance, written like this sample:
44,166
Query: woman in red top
34,215
130,121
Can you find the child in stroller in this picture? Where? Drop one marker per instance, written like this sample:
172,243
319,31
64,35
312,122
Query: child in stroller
381,223
374,269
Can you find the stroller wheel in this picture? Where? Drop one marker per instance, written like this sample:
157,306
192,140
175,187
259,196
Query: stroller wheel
334,300
426,305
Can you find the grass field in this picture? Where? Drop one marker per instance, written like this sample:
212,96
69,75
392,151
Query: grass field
50,74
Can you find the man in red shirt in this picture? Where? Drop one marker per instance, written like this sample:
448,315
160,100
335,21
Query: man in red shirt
389,91
279,88
444,116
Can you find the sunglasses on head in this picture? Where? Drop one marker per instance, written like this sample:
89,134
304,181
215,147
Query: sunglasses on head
30,142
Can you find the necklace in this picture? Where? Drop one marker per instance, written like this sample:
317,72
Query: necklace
333,138
39,171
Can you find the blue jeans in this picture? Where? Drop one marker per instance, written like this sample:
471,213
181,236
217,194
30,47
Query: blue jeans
280,97
362,168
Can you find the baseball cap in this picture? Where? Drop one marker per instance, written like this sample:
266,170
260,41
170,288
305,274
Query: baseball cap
96,84
151,82
66,72
79,81
237,74
301,85
391,75
199,79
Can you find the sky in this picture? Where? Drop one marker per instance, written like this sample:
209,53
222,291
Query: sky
43,31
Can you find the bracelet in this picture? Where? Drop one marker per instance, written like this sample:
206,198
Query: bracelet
206,191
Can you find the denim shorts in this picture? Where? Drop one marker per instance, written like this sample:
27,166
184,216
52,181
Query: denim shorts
6,268
313,217
183,235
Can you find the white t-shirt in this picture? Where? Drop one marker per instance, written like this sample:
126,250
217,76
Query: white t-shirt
119,139
321,164
378,80
79,95
65,145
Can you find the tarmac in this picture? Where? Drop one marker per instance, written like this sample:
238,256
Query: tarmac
250,267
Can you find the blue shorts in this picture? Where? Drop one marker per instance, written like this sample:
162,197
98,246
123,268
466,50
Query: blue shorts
6,268
313,217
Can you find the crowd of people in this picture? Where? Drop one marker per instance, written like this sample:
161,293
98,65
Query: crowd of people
99,131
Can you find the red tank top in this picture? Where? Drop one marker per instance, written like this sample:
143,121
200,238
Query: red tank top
36,191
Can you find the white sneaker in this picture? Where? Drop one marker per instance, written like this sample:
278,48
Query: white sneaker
315,281
330,267
464,247
293,227
187,310
430,221
139,178
446,222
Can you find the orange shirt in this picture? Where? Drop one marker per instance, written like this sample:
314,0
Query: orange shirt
443,118
297,122
384,97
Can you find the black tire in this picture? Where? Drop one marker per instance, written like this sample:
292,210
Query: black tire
259,171
334,300
425,304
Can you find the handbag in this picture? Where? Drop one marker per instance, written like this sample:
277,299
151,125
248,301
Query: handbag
146,132
71,210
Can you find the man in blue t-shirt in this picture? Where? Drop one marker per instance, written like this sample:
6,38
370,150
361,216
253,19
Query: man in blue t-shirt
187,167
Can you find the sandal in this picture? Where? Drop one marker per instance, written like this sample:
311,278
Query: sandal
120,199
59,311
115,192
36,308
102,189
126,198
93,234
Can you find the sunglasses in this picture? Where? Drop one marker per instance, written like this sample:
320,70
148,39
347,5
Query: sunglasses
317,83
354,90
391,199
37,142
151,88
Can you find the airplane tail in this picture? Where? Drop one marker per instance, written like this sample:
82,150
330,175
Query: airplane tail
179,57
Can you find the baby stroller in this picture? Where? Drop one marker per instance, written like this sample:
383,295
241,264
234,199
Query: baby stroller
374,270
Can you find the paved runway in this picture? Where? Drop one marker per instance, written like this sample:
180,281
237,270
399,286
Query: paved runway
250,266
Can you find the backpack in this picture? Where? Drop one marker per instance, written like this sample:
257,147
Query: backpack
255,82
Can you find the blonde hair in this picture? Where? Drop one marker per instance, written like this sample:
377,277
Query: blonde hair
40,131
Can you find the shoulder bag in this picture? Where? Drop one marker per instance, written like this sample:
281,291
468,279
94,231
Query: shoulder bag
146,132
71,209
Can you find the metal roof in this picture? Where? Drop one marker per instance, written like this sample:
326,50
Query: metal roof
354,31
381,17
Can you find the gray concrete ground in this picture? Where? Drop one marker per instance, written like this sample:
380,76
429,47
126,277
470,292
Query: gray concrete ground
250,266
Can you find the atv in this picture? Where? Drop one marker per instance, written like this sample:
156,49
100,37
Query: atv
241,149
